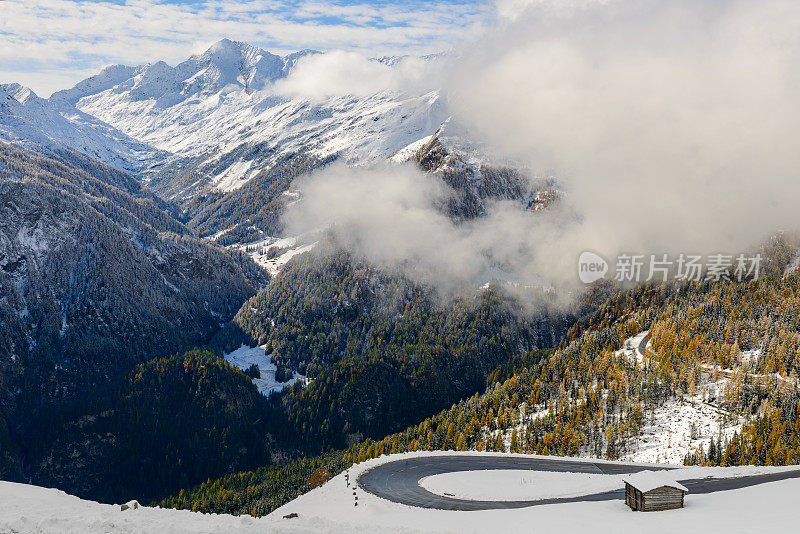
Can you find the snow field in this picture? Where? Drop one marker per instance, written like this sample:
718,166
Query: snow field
766,508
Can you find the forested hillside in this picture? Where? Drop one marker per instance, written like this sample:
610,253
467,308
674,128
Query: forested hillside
173,422
380,349
100,277
93,280
729,345
591,398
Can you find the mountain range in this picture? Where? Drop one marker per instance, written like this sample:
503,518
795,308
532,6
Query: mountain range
138,210
200,131
128,203
218,109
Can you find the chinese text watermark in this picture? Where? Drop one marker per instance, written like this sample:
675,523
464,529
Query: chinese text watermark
663,267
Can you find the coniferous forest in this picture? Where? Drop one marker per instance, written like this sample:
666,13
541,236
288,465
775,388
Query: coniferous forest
588,397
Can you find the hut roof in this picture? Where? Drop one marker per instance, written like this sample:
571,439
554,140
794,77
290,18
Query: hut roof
646,481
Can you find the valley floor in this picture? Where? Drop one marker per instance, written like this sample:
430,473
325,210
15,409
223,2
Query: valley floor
330,509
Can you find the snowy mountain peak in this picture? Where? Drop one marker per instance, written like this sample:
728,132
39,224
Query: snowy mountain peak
226,52
20,93
224,65
105,79
225,48
229,62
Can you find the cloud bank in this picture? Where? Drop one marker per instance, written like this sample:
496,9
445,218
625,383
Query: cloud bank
392,216
671,126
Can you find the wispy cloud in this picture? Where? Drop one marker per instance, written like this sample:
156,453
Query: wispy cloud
48,44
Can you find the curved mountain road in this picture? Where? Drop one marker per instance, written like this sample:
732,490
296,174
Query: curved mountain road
398,481
643,344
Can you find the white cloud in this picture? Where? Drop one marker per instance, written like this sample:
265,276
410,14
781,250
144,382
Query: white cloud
391,216
671,125
340,73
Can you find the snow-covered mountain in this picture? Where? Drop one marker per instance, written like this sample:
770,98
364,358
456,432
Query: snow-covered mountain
226,64
219,117
216,115
201,130
220,111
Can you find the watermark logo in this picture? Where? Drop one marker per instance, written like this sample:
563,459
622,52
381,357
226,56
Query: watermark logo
591,267
633,268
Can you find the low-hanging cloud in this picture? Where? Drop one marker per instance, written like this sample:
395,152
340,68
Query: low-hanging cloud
671,127
340,73
393,216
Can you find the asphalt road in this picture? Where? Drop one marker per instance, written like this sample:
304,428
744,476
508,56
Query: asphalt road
398,481
643,344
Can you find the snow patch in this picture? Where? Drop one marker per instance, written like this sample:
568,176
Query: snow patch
274,253
234,176
408,152
244,357
677,427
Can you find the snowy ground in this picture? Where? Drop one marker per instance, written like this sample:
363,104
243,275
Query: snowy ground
523,485
243,357
273,253
681,424
677,427
330,509
516,485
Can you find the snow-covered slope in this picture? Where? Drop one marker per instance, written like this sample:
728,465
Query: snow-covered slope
53,126
330,509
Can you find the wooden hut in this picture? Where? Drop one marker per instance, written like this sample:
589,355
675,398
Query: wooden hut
650,491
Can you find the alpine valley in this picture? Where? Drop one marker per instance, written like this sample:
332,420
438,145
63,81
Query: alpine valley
164,337
130,202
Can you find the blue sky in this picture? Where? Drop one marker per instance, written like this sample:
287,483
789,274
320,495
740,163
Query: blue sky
51,44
